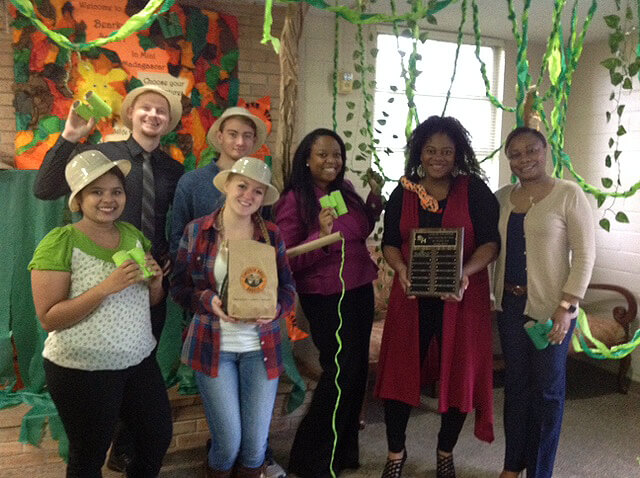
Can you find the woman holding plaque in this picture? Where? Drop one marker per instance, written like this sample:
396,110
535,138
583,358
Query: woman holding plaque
442,188
318,171
237,362
542,271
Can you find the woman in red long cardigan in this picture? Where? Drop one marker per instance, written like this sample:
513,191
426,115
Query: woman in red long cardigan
442,187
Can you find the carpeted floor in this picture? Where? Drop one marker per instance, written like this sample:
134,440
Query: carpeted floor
600,436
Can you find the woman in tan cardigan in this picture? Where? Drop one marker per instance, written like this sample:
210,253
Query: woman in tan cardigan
542,271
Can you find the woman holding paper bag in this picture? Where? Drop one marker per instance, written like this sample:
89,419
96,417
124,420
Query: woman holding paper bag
98,357
317,172
542,271
237,362
442,187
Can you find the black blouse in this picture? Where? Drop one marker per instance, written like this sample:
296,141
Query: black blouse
483,209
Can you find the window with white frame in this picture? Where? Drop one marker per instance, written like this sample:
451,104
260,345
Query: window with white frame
468,102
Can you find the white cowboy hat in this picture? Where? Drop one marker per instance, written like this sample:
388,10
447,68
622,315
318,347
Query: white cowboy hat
261,128
175,105
253,169
86,167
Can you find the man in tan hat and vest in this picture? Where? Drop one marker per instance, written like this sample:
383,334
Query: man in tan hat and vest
149,112
235,134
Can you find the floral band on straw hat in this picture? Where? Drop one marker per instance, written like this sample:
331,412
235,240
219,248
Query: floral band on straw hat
261,128
254,169
86,167
175,105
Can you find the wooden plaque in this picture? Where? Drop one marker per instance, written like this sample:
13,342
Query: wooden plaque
435,262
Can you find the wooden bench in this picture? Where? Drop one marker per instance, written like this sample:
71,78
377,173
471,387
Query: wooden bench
614,330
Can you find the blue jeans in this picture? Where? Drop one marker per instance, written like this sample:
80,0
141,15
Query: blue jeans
535,382
238,404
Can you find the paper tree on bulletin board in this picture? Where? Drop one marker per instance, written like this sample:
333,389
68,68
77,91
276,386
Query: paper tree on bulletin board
199,63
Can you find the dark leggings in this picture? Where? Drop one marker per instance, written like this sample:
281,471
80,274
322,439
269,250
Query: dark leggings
396,413
89,404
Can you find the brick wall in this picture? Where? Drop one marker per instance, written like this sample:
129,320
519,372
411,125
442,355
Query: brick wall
7,126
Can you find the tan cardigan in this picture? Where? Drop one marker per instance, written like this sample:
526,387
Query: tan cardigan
560,247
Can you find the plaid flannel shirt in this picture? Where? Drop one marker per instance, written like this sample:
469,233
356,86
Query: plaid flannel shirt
193,286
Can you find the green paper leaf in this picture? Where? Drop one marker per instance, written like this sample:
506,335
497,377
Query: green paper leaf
385,114
229,61
616,78
374,52
363,132
611,142
628,14
612,96
626,84
347,146
612,21
362,147
611,63
616,154
349,116
391,100
359,157
382,122
600,198
432,19
146,42
614,41
621,131
196,97
607,161
608,115
634,68
393,88
351,105
213,76
605,224
622,217
134,83
606,182
620,109
356,84
347,133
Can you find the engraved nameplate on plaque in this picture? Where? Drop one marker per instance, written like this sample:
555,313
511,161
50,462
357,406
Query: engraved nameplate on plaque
435,261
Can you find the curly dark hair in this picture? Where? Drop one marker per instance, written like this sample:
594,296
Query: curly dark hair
465,157
520,130
301,182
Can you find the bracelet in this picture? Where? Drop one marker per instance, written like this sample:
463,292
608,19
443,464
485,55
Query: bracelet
568,306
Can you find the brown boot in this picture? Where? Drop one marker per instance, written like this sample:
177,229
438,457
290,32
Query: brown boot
211,473
244,472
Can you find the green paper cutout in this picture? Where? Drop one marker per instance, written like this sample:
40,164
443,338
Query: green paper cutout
197,32
146,42
196,97
229,61
213,76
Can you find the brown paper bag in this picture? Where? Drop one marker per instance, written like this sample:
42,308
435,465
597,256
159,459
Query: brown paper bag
252,288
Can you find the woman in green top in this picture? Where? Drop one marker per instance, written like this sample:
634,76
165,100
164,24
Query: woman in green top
98,357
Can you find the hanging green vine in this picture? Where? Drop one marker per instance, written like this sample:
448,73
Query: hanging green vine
140,21
336,43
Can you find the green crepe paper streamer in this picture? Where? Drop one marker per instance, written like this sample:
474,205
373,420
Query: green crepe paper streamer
197,32
234,91
196,97
600,350
32,427
463,18
334,92
7,373
57,433
21,65
146,42
48,125
230,60
137,22
187,380
213,76
555,61
266,28
63,57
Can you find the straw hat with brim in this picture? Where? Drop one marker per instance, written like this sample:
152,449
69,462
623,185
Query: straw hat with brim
85,168
253,169
261,128
175,105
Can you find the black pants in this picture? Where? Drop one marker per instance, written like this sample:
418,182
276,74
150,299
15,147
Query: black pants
311,451
123,438
396,413
89,404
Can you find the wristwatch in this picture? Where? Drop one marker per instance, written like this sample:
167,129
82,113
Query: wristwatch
568,306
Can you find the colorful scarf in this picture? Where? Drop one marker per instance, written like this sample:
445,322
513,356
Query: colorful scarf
427,201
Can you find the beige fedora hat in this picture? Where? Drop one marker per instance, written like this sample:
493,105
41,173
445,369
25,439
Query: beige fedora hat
86,167
253,169
261,128
175,105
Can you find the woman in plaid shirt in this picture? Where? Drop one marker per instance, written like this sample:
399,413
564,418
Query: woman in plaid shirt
237,364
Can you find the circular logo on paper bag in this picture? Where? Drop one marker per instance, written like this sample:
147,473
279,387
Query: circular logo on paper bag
253,279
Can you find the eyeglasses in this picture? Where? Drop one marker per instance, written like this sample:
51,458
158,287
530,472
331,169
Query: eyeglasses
528,152
446,152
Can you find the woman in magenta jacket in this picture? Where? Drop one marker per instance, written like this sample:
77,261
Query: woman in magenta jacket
318,169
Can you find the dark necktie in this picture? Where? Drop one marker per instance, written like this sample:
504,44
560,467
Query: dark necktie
148,197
